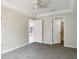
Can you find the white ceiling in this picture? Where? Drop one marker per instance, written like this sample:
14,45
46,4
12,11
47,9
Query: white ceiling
26,6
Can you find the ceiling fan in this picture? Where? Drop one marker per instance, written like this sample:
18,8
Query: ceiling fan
41,4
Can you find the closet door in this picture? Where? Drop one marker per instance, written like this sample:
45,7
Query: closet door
56,31
35,31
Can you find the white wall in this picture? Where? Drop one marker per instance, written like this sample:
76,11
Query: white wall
70,33
47,30
13,29
70,39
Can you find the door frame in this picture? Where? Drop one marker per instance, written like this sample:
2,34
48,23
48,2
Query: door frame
63,19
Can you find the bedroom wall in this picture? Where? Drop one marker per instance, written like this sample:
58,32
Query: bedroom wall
47,30
13,29
70,32
71,29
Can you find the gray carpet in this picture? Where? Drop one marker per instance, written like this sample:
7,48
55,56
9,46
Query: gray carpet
41,51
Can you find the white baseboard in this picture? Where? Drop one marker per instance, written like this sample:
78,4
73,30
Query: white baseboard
12,49
70,46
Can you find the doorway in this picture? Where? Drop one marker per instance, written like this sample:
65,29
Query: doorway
35,31
58,31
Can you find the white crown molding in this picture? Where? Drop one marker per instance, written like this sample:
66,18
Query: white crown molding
55,13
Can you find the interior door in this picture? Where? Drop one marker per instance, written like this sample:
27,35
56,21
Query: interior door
56,31
35,31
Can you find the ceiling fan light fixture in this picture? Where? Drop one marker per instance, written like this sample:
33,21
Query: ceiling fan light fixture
40,4
36,4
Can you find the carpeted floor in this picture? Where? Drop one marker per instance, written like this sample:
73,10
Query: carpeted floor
41,51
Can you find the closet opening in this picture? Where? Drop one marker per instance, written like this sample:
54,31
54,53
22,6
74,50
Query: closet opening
58,31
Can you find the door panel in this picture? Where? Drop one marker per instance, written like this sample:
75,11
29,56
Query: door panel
38,31
56,31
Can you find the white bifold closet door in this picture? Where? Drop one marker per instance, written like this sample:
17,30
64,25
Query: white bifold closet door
56,31
35,31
